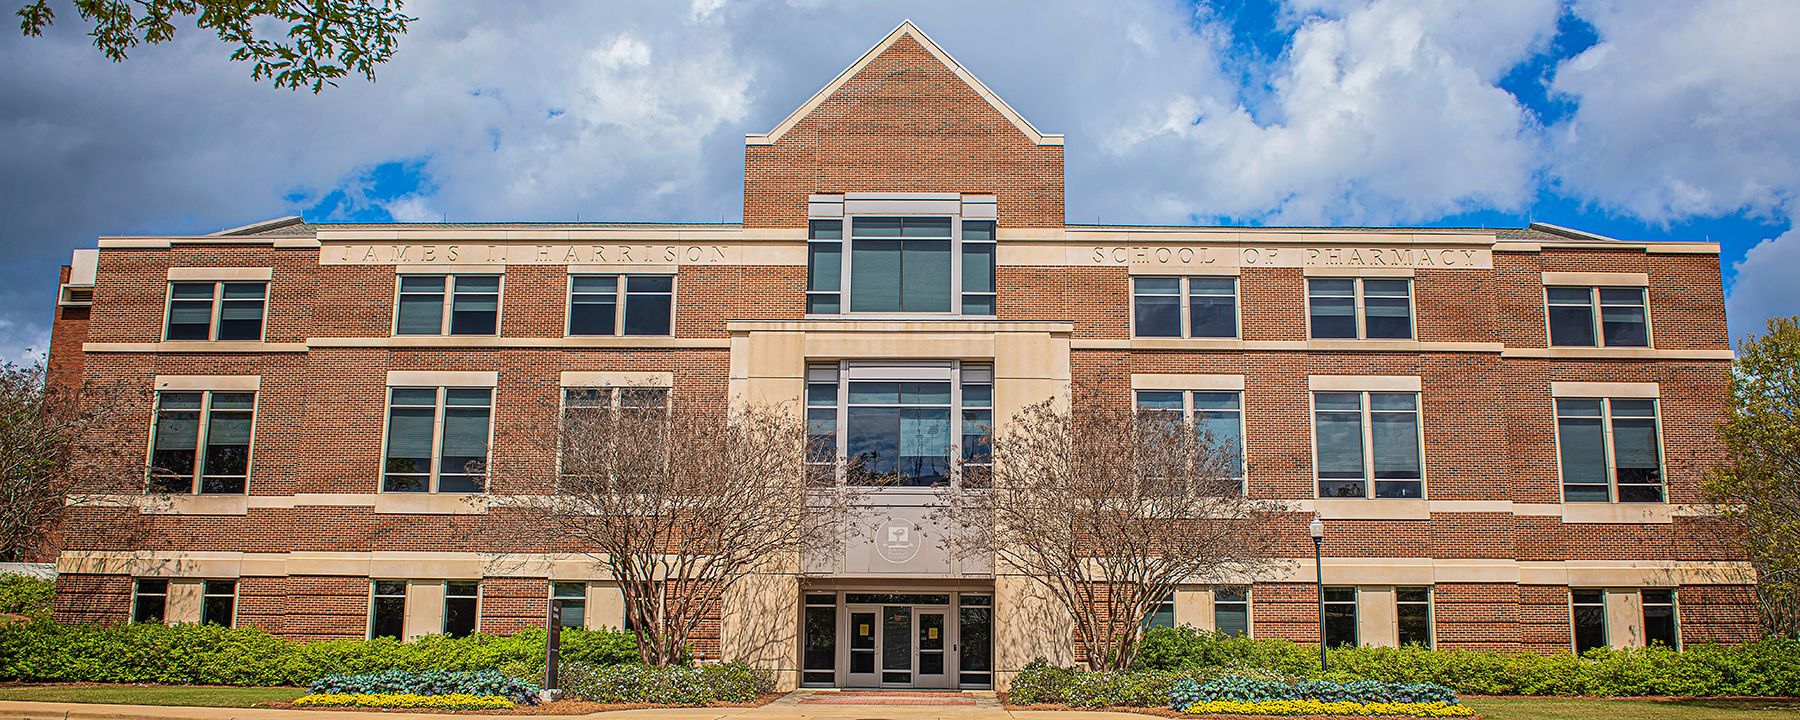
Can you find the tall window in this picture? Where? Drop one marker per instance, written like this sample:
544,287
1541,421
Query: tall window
976,632
150,600
202,442
474,302
216,310
1162,613
1367,444
898,425
901,265
1412,612
1209,310
437,439
820,655
1622,320
1587,612
1366,308
1660,626
462,607
594,300
1340,617
572,598
1231,609
1219,413
1609,449
219,603
979,254
387,609
824,267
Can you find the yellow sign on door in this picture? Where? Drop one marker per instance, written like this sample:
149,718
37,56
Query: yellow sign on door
931,633
862,629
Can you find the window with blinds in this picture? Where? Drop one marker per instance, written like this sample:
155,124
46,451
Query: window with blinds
1367,444
201,442
1359,308
1610,450
923,425
473,305
1622,321
437,440
216,311
1218,413
594,302
1194,307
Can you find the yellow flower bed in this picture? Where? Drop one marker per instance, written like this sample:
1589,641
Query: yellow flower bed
439,702
1316,707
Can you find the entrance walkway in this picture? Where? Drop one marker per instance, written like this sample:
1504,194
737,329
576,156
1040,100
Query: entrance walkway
802,704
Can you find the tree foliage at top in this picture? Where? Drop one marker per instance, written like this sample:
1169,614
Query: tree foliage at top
325,40
1757,489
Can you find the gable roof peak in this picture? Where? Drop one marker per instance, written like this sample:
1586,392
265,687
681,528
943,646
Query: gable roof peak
906,28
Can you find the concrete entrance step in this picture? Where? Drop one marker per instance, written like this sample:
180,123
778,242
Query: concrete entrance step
894,698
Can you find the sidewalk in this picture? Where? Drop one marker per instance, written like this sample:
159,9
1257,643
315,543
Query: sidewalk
985,707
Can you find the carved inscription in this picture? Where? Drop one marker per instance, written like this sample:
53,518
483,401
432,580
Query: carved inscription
1198,256
515,254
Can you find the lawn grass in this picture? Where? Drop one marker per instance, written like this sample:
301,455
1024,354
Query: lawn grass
150,694
1559,709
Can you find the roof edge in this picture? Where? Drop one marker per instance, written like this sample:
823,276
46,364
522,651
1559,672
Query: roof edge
906,27
264,226
1570,233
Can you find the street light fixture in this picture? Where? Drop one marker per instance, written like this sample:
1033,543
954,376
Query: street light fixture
1317,529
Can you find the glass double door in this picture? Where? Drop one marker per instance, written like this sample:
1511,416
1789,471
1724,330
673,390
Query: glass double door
899,646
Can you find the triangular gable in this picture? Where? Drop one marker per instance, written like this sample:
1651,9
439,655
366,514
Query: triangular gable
906,28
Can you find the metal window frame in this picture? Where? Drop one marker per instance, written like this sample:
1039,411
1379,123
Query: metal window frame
1360,309
200,438
1368,440
1606,430
437,435
218,308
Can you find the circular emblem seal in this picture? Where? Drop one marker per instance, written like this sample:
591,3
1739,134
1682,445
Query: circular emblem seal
897,542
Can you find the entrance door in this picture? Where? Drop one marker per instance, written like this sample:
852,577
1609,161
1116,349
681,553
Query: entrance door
864,647
932,637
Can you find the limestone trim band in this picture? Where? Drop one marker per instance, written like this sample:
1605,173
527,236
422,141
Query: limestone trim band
466,565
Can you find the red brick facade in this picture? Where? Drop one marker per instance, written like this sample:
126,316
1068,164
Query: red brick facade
904,122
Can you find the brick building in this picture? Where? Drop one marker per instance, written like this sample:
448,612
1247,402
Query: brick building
1498,426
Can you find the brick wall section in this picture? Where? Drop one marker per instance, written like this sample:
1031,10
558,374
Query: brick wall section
68,330
103,599
905,123
1544,622
262,602
1715,613
509,605
1474,616
1285,610
326,608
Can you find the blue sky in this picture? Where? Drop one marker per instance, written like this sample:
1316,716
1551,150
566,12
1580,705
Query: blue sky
1672,119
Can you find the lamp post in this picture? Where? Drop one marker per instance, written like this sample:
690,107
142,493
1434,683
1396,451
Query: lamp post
1317,529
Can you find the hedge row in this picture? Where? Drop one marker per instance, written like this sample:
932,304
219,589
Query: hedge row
212,655
730,682
1768,667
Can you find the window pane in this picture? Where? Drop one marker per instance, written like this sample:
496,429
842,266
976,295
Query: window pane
459,616
821,638
1582,443
1637,459
825,229
1340,453
475,309
468,396
1414,621
649,304
925,393
217,610
874,275
409,448
1340,617
1624,326
190,311
977,395
1659,625
1212,316
422,283
603,284
873,443
874,393
1590,624
823,303
241,320
477,284
925,276
593,313
421,314
465,449
1333,317
1231,618
414,396
1387,317
177,439
1395,437
389,617
978,267
821,394
824,266
978,230
227,452
979,304
1386,288
937,227
1571,326
149,608
876,227
1158,307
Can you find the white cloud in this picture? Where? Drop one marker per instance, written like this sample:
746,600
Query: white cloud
1384,112
1764,286
1685,109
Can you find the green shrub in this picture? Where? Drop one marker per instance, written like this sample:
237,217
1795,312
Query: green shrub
1040,682
731,682
28,596
430,682
1765,667
41,651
